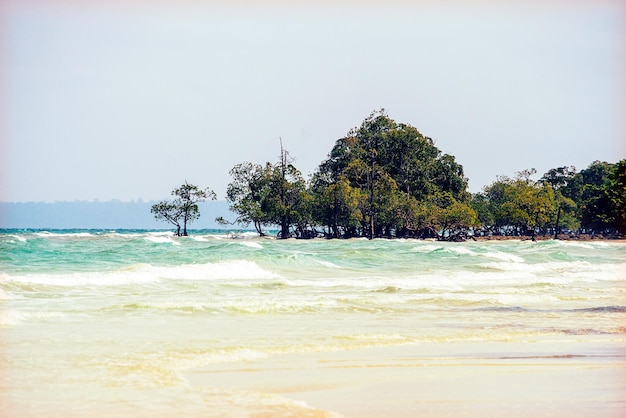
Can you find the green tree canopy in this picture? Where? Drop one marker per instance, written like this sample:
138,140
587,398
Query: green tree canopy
518,206
184,208
617,194
246,192
591,201
273,194
386,179
376,180
593,189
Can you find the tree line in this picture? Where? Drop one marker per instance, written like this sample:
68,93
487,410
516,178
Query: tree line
386,179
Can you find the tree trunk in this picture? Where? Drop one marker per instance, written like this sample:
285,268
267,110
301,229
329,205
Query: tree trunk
558,218
284,227
371,211
284,220
257,226
335,221
371,231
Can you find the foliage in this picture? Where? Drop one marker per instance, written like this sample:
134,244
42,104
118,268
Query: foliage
274,194
592,201
379,181
617,194
597,211
169,212
246,192
285,202
184,208
386,179
517,206
453,218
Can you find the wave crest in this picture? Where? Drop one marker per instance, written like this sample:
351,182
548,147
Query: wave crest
146,274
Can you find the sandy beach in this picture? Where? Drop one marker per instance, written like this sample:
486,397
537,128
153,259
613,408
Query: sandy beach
551,378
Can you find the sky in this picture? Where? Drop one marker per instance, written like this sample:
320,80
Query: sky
128,99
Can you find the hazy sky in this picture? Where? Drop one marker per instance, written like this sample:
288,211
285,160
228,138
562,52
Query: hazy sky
128,100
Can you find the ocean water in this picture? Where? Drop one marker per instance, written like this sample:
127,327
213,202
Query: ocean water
111,323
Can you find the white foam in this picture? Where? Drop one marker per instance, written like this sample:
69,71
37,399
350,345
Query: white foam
125,235
42,234
327,264
462,251
556,272
9,317
146,274
263,305
115,278
599,244
252,244
13,317
160,233
504,256
426,248
18,237
227,270
48,234
161,240
243,235
239,355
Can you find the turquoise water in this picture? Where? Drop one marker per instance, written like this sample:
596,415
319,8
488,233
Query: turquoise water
108,321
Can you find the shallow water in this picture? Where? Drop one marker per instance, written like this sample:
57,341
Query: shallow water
114,322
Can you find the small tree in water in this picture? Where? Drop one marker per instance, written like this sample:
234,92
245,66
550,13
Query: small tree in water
184,208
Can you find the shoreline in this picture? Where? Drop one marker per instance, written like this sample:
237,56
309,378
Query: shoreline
532,378
560,237
250,234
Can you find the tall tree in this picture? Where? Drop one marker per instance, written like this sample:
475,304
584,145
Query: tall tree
284,203
454,218
388,168
596,210
246,193
371,136
184,208
560,179
518,206
289,187
169,212
617,192
273,194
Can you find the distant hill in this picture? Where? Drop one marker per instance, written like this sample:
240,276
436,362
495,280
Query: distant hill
112,214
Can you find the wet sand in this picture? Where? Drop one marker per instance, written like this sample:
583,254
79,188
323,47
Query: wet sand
539,379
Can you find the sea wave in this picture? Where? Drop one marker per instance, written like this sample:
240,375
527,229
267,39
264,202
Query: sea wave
462,251
49,234
146,274
14,317
18,238
426,248
498,255
4,295
558,270
162,240
251,244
